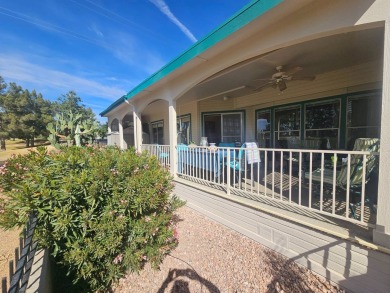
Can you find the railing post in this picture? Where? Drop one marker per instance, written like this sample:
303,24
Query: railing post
21,244
11,269
16,255
4,285
228,172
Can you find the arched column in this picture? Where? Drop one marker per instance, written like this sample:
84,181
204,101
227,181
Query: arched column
121,140
137,129
381,233
173,136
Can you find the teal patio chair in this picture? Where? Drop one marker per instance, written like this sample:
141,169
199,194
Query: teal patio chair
226,145
238,164
164,157
356,173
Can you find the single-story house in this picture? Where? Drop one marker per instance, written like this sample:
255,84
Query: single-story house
277,125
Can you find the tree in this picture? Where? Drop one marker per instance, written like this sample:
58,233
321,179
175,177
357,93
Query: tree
71,102
102,130
3,132
38,117
25,114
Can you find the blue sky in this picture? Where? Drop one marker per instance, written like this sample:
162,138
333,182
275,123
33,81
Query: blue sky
99,48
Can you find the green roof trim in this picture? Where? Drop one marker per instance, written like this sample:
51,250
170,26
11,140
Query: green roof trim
247,14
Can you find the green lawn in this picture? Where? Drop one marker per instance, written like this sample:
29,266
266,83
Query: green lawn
18,146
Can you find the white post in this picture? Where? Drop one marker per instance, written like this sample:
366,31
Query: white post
137,130
109,136
381,233
121,140
173,136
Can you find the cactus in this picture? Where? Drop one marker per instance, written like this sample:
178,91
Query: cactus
69,127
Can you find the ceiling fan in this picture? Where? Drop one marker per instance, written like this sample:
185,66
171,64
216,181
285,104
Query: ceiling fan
279,78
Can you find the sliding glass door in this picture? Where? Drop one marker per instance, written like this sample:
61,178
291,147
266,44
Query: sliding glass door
223,127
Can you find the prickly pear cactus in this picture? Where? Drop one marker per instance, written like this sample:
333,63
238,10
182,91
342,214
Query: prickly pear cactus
69,127
53,137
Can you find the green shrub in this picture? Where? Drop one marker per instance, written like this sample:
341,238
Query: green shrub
100,211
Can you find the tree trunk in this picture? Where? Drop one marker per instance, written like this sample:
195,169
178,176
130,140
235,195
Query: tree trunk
32,142
2,144
27,142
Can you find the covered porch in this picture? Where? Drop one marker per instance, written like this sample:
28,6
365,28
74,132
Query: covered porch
280,130
302,137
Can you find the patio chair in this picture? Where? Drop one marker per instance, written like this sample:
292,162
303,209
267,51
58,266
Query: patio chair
356,173
162,155
238,164
226,145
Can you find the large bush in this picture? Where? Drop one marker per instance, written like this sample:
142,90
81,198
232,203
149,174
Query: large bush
100,211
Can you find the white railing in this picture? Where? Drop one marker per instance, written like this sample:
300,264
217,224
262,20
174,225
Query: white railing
162,152
113,138
328,182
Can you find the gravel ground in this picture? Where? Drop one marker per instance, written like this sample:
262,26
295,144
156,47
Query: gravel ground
213,258
9,240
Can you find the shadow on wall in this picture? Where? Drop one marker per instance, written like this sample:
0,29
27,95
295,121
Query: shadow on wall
363,270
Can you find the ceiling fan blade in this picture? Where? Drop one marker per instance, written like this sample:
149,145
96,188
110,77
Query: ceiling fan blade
309,78
270,83
264,79
294,70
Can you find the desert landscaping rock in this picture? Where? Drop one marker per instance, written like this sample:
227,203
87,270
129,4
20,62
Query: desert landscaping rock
213,258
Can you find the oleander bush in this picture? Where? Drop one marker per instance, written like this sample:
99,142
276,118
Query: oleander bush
101,212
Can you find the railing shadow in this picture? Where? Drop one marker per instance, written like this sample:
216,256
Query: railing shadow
19,271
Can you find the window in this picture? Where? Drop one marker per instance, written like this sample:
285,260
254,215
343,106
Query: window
263,128
115,125
184,129
339,120
127,121
287,125
363,117
322,122
224,127
158,132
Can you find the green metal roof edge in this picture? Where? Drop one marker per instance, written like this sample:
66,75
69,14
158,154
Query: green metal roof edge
234,23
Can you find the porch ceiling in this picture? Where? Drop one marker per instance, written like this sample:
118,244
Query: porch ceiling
316,57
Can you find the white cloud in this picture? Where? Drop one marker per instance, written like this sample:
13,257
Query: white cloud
95,29
15,68
163,7
131,51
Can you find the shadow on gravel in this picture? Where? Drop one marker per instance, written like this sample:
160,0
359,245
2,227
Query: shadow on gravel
288,276
181,286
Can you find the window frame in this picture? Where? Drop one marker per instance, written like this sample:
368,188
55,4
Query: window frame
324,101
343,128
114,131
357,97
151,126
275,127
243,119
178,118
